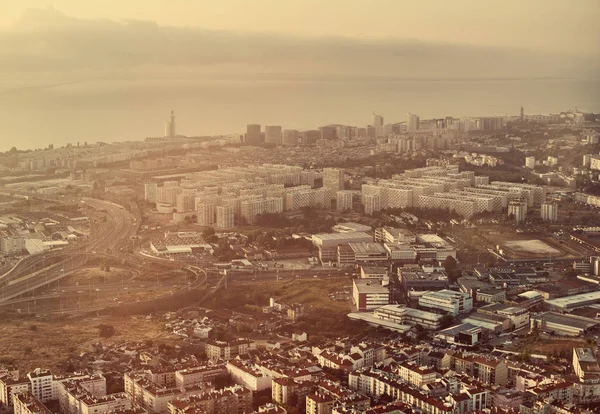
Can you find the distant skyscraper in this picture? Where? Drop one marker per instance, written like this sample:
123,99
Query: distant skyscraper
333,179
273,134
290,137
253,134
170,126
412,122
522,115
377,120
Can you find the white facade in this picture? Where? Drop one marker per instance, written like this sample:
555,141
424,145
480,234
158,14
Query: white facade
206,214
225,219
549,211
518,209
530,162
344,200
454,303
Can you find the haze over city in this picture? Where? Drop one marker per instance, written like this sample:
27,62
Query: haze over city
300,207
109,70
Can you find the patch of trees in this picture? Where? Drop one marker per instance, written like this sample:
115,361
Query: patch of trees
105,331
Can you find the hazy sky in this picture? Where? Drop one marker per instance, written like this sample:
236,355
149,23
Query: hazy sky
555,25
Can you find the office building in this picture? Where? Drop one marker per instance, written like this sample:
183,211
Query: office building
333,179
549,211
273,134
253,134
206,214
225,218
518,209
448,301
412,122
344,200
368,295
530,162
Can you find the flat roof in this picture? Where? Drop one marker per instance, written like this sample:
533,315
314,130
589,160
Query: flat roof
367,286
368,248
574,300
567,320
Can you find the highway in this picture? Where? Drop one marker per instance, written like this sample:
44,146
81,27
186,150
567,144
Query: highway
107,238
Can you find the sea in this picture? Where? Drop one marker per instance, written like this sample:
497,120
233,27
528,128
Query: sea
129,110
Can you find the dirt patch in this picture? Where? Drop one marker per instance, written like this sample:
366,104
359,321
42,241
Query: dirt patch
31,343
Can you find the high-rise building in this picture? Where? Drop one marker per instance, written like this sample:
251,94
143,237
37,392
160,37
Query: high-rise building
344,200
290,137
150,192
412,122
225,217
490,123
377,123
522,115
530,162
518,208
206,214
333,179
170,126
253,134
273,134
372,203
185,202
328,132
549,211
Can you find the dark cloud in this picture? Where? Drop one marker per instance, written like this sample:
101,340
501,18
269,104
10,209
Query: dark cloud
49,41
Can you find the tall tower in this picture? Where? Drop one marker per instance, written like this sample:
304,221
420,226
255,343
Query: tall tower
522,114
170,126
412,122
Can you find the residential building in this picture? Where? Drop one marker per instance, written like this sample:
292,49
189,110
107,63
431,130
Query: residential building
518,210
412,123
253,135
26,403
206,214
333,179
225,217
344,200
273,134
220,350
549,211
530,162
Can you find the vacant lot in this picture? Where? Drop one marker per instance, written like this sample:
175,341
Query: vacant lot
552,347
31,343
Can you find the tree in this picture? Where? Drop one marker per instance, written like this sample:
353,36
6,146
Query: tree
446,321
207,232
450,264
106,331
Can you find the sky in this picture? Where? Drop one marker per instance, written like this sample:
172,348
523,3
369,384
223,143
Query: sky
549,25
118,66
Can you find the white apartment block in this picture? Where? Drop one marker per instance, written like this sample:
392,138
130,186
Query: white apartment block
248,377
372,203
333,179
344,200
549,211
185,202
206,214
452,302
252,208
518,209
225,217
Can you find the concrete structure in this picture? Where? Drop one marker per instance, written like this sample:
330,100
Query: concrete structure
327,243
549,211
518,209
273,134
333,179
372,203
344,200
449,301
561,324
225,217
412,123
368,295
206,214
253,134
530,162
170,131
